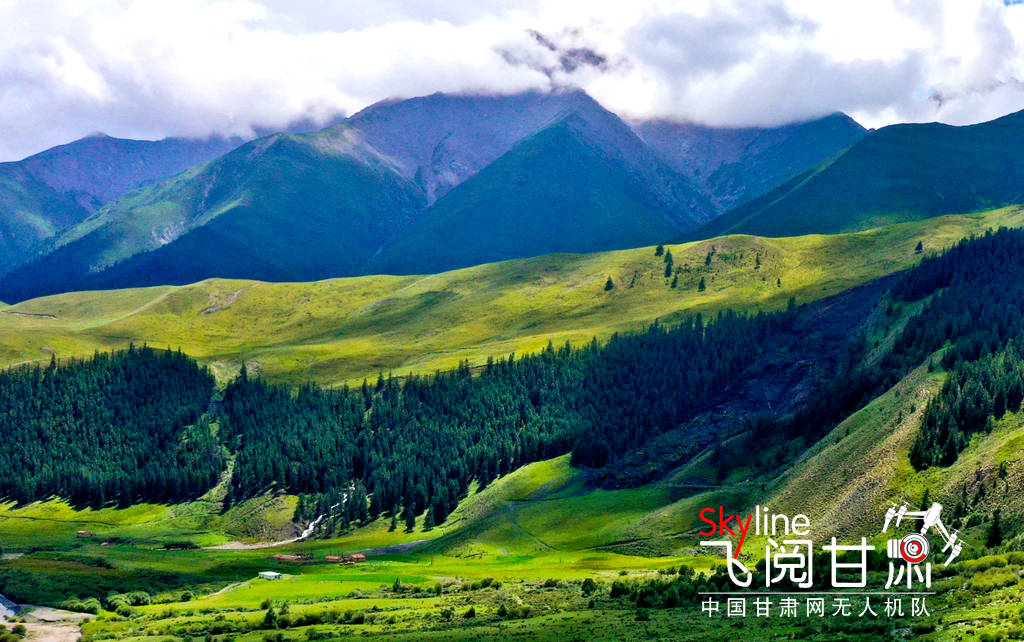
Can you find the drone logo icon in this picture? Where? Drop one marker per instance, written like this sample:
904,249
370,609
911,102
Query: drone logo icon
914,547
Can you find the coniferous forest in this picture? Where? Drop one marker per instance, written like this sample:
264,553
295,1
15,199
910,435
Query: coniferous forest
136,425
418,444
116,428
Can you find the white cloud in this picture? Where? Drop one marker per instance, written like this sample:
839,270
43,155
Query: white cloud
142,68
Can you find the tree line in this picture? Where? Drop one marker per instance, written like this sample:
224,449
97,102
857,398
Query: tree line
117,428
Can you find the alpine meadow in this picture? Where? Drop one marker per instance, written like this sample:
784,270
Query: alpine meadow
676,320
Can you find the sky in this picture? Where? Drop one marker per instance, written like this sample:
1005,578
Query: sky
148,69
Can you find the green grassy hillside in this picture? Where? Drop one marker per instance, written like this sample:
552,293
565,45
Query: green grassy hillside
898,173
346,329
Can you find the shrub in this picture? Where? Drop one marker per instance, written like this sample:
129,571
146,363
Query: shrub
619,589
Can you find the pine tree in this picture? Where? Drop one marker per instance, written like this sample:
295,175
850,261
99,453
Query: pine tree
609,284
995,532
409,514
920,247
660,250
668,263
675,280
702,285
270,619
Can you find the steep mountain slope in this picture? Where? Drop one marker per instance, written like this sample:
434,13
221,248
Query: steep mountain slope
441,140
50,191
562,190
30,211
732,165
282,207
898,173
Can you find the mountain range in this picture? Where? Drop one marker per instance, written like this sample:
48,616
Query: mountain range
55,189
897,173
404,186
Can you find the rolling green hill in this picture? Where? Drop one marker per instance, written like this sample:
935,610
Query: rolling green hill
897,173
347,329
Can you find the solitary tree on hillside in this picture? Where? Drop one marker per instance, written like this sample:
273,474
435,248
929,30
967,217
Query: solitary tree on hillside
675,280
658,251
668,263
702,285
995,533
609,284
919,248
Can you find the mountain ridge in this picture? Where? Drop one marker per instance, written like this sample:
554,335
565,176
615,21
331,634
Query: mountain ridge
896,173
430,147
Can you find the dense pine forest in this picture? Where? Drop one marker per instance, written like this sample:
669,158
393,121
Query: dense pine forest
136,425
416,446
117,428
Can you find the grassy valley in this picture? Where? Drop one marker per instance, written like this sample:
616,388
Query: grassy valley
542,551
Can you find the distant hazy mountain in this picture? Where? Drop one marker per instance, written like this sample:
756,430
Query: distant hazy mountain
732,165
897,173
284,207
50,191
423,185
99,168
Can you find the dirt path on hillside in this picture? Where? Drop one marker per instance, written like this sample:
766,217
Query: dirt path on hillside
45,624
241,546
380,550
394,549
52,632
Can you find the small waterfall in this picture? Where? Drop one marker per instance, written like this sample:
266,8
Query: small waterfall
316,522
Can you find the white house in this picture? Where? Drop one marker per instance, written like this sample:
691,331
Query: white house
270,575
